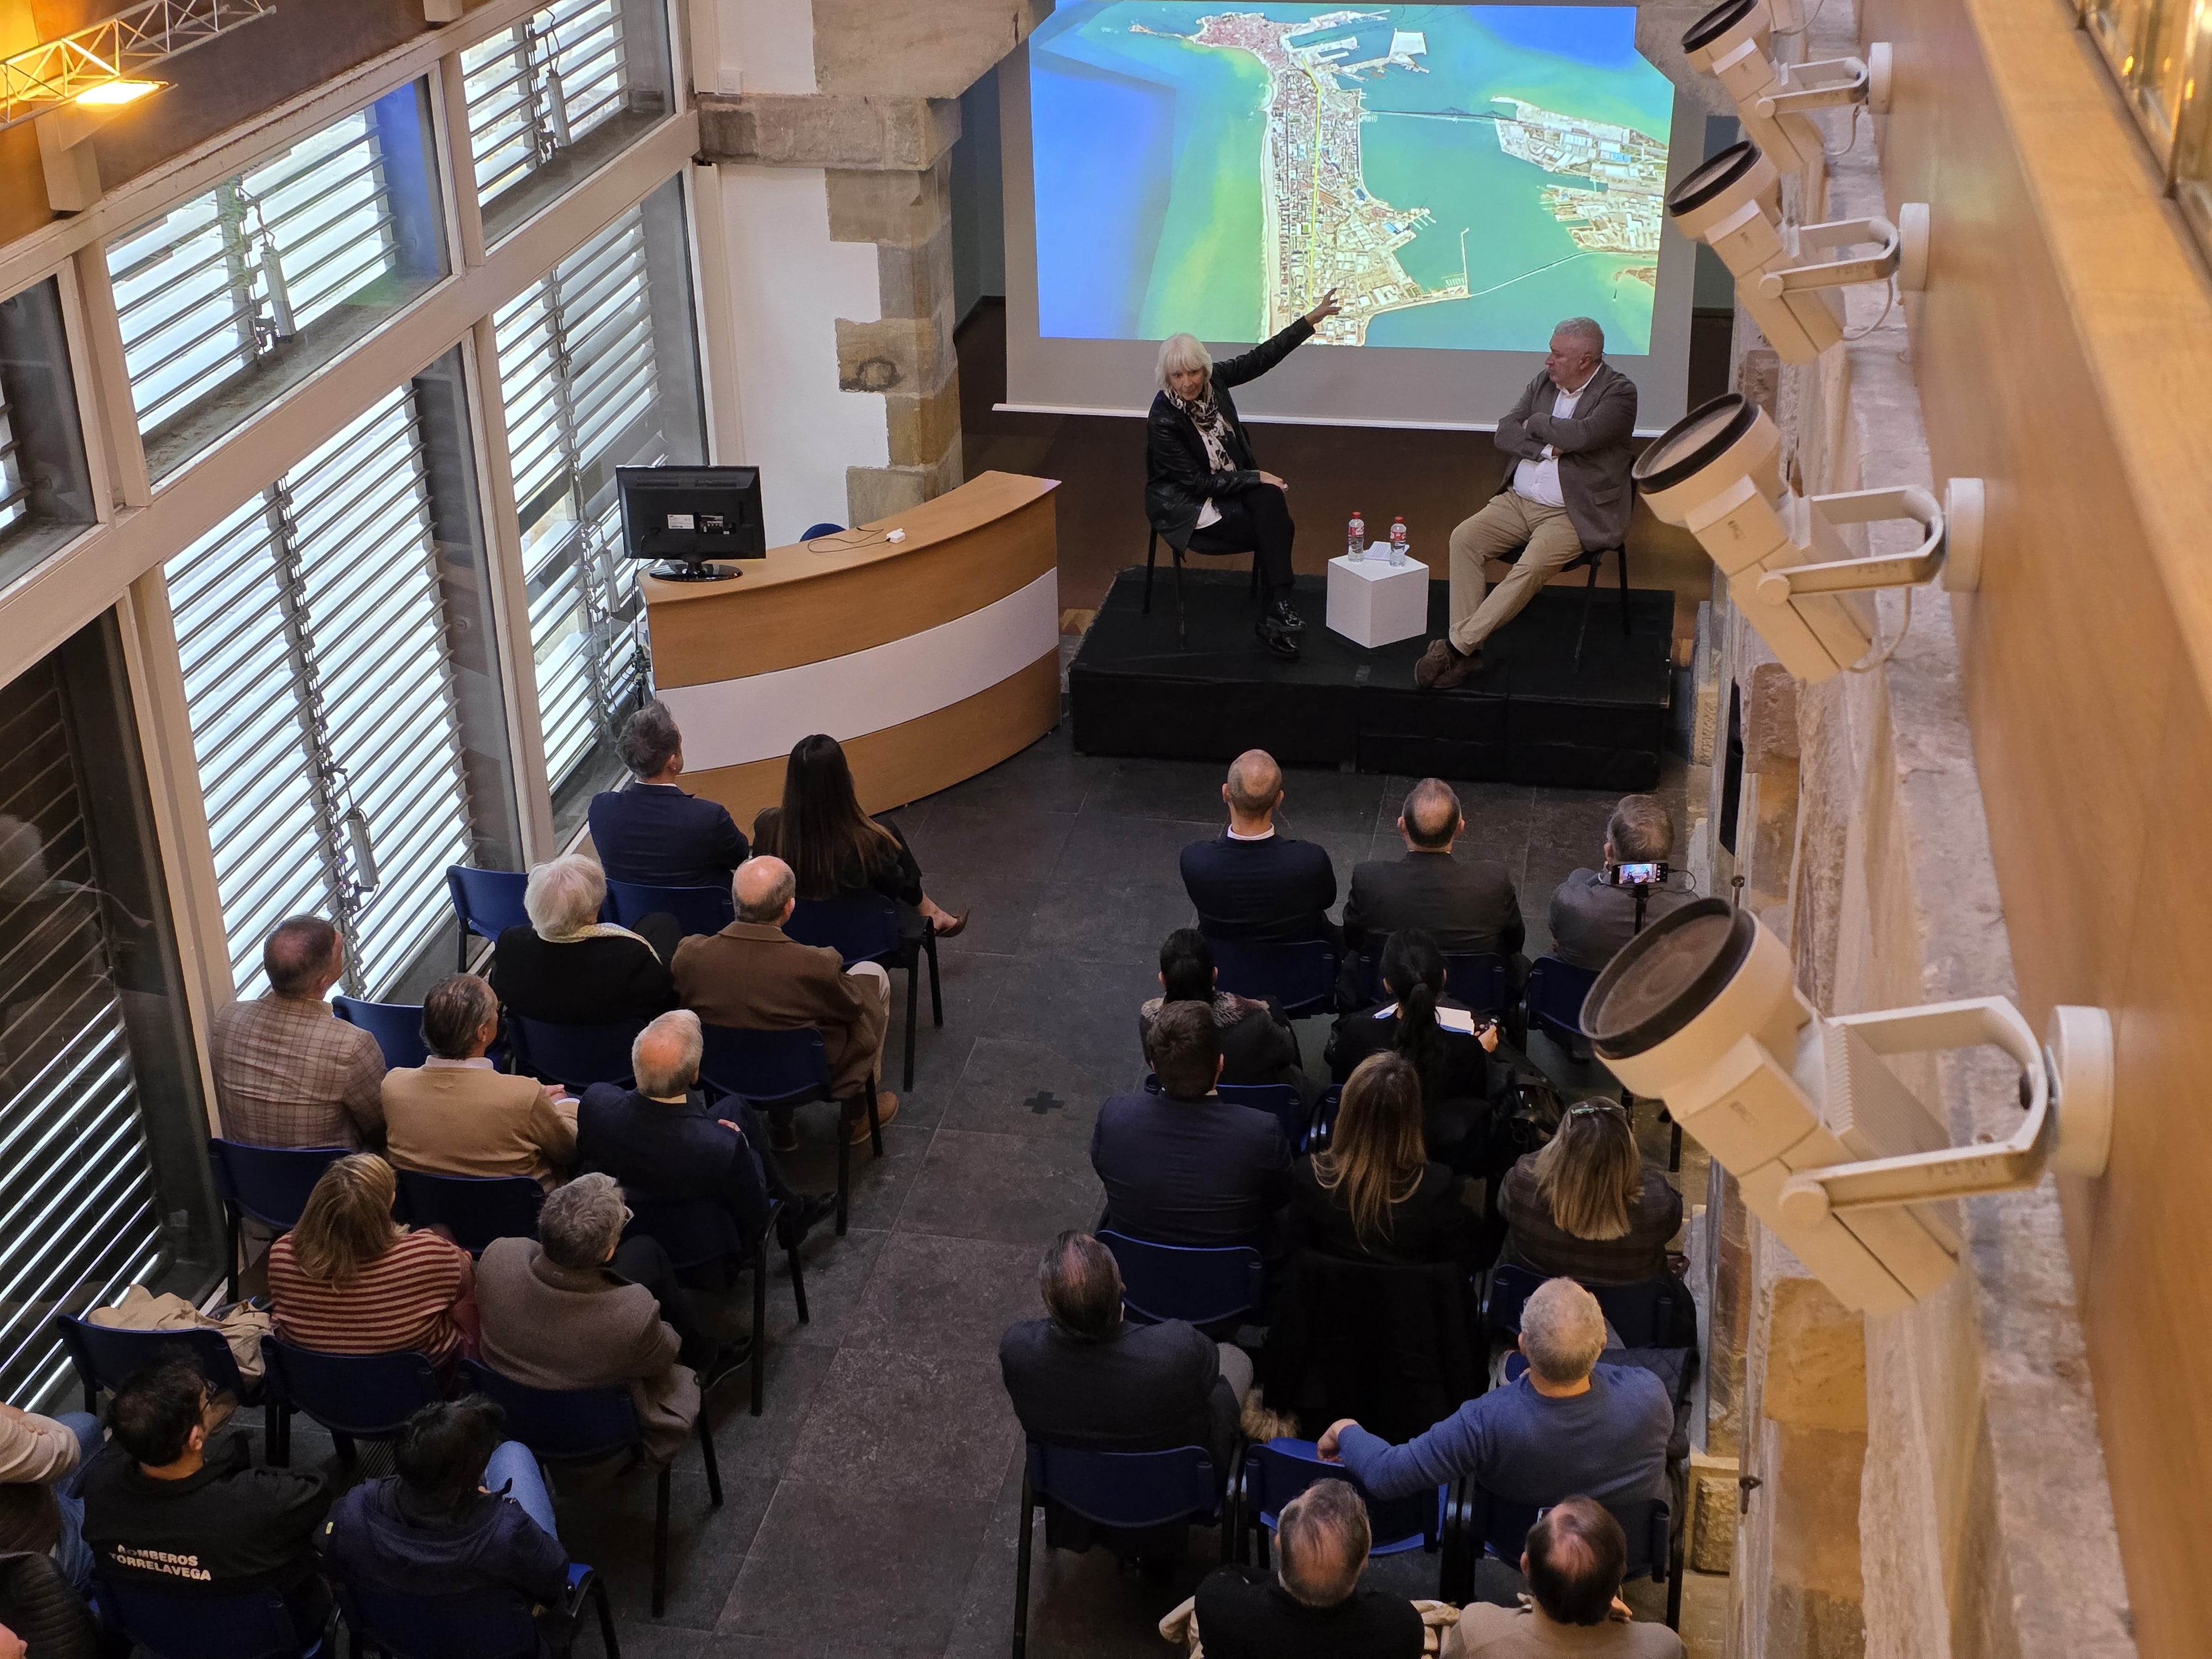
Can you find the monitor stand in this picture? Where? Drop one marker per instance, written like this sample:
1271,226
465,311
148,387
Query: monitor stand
693,571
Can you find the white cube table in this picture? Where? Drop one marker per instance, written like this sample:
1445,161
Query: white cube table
1372,602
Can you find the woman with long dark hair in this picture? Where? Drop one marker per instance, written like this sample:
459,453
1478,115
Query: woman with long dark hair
1376,1194
1436,1034
1257,1045
834,848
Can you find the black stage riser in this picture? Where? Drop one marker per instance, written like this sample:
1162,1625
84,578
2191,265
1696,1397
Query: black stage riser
1529,717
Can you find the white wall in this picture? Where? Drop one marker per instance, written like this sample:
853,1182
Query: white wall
769,42
789,285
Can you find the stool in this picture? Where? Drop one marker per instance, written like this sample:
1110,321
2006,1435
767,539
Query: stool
1182,623
1594,561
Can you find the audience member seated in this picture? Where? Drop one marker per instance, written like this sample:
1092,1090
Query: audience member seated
755,975
1375,1194
1250,883
455,1114
568,967
581,1307
174,1509
1464,904
1315,1609
835,849
1591,918
1183,1166
1566,1425
664,1139
1086,1378
287,1071
1575,1558
467,1515
1447,1046
1257,1044
350,1279
1586,1206
653,832
42,1463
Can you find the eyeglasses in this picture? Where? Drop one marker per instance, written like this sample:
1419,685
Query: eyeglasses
1592,1108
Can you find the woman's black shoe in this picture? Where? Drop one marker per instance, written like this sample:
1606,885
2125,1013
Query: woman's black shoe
1277,638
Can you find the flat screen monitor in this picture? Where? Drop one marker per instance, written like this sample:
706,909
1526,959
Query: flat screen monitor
689,516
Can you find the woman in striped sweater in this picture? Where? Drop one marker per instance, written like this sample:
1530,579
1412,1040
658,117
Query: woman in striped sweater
350,1280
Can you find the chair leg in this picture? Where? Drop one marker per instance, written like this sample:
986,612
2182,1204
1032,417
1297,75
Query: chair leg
343,1442
1589,592
232,1230
461,950
913,993
713,1467
798,1281
1253,593
278,1426
1620,553
759,1364
1152,555
1026,1522
1674,1580
844,1166
1183,619
875,1123
606,1618
660,1539
936,995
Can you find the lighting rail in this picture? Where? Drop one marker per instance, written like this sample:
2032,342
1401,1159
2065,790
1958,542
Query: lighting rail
113,50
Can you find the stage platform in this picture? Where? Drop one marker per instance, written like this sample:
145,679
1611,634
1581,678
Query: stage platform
1529,717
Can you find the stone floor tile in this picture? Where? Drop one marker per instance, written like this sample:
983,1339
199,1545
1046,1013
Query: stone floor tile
1017,1087
1011,1189
914,1417
944,1295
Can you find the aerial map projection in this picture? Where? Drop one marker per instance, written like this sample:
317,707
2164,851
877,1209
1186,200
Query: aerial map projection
1462,176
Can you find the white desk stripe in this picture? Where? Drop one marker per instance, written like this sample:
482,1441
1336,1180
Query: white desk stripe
730,722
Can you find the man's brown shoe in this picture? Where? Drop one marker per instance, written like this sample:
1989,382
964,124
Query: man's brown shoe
886,1109
1434,660
1457,672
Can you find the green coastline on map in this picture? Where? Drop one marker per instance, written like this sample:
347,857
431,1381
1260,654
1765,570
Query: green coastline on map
1207,267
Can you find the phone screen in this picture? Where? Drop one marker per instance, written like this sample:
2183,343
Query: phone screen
1640,875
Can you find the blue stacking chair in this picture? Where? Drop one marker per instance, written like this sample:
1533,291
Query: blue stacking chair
475,1209
1277,1471
1209,1287
1302,977
103,1357
1644,1315
250,1625
1554,997
357,1397
1323,1127
814,530
1497,1527
270,1184
397,1027
697,909
1479,978
576,1056
1278,1100
495,1625
1510,1288
773,1070
1126,1490
699,1234
864,927
587,1426
486,903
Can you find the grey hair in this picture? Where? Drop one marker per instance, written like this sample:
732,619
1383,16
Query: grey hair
580,1223
1324,1536
1585,329
692,1043
1562,1331
650,740
1182,351
1641,829
563,894
768,908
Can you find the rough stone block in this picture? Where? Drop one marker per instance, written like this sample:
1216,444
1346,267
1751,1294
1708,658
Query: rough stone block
1815,1355
936,49
916,281
819,130
1714,1500
895,354
1770,715
923,427
904,209
881,492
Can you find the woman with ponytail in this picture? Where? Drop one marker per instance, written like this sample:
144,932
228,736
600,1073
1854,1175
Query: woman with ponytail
1445,1044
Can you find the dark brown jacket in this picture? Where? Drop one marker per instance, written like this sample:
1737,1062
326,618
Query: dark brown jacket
755,975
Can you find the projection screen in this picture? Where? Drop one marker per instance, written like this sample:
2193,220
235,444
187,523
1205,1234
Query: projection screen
1463,176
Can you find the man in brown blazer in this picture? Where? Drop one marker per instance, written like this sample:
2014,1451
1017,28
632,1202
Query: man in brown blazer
456,1115
753,974
556,1316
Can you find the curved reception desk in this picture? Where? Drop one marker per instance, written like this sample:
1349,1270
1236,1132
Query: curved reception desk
930,660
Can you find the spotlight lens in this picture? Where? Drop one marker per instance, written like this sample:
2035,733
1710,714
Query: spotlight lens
117,91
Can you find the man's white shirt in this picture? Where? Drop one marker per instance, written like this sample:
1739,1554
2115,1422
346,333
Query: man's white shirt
1539,480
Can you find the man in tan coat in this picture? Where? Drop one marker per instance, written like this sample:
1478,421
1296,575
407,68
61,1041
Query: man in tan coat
455,1115
1576,1556
754,976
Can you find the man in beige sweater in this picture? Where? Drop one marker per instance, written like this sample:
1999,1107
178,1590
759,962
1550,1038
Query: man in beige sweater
456,1115
1576,1556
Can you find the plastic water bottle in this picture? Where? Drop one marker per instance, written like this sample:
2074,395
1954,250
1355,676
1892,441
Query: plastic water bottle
1355,537
1397,541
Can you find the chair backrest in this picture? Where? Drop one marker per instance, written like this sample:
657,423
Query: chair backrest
486,901
104,1355
475,1209
250,1625
814,530
1175,1281
397,1027
766,1067
494,1625
1556,992
577,1056
1322,1129
1502,1525
1509,1287
695,1231
562,1425
269,1183
1279,1470
1477,978
697,909
1301,976
369,1396
1279,1099
1643,1316
1126,1489
859,927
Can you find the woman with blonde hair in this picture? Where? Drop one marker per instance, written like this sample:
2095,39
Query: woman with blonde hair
1586,1206
350,1280
1376,1194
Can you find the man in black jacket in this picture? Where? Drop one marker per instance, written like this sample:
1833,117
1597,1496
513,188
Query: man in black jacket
653,832
1184,1166
1249,884
1316,1609
1203,492
170,1509
1464,904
